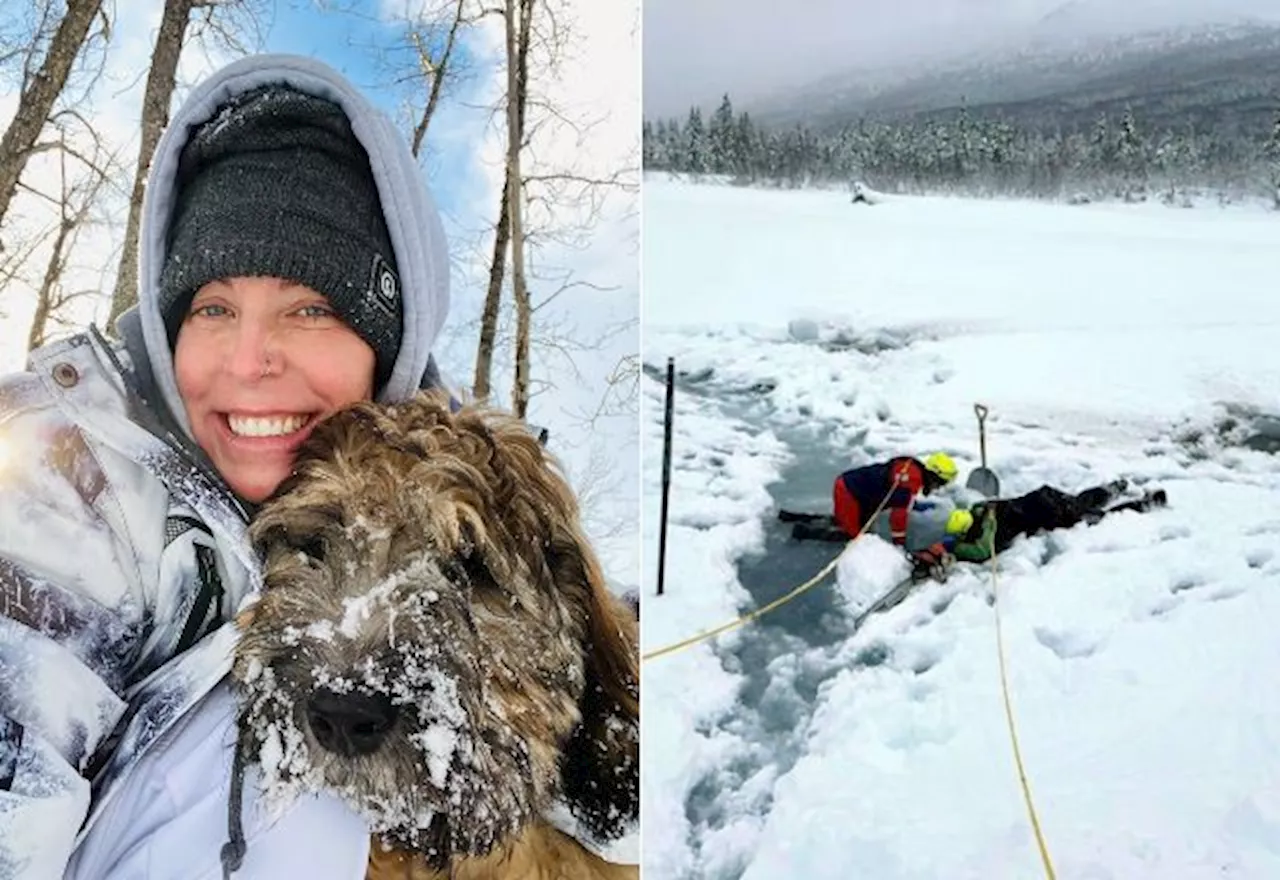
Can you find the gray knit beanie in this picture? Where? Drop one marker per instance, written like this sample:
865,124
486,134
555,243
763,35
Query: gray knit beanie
276,184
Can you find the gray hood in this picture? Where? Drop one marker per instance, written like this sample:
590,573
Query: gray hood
417,235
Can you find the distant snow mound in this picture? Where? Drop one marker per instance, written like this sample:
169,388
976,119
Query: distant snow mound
842,336
803,329
1233,425
865,195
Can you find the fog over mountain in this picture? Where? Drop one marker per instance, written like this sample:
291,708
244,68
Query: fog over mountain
763,52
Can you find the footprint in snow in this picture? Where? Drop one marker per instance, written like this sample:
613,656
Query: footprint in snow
1267,528
1225,591
1259,556
1256,821
919,658
1187,582
1068,644
1174,533
1163,605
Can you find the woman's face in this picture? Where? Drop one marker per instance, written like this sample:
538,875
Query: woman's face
259,362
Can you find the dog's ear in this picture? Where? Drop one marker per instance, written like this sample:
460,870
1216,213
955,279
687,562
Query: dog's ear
600,769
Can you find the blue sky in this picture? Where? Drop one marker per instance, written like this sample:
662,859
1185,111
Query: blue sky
350,44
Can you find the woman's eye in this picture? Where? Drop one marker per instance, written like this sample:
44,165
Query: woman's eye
316,311
210,310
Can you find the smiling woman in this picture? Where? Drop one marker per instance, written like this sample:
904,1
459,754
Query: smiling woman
259,362
293,263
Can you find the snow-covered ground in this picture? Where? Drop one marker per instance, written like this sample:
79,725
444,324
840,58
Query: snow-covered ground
810,334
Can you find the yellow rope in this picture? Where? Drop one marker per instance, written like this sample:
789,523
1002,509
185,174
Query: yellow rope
807,585
1008,711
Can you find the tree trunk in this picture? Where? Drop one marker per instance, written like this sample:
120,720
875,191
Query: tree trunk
38,96
493,297
155,116
517,54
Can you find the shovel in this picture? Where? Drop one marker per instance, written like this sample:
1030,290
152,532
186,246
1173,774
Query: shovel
983,479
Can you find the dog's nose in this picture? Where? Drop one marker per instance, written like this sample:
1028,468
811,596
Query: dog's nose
350,724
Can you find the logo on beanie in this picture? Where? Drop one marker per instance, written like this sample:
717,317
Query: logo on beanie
384,287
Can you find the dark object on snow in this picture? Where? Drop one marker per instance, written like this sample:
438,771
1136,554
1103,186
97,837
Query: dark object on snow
813,526
862,195
983,479
797,516
823,528
1044,510
667,418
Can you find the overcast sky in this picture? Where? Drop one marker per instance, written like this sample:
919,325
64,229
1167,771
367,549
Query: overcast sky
695,50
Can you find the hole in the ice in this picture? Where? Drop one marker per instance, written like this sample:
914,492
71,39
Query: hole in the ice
781,709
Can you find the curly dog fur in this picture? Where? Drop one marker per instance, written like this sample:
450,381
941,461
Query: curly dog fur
436,645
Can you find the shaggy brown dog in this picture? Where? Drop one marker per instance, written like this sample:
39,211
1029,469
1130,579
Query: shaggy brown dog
435,644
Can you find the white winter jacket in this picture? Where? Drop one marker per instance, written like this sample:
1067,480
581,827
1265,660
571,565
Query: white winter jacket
122,555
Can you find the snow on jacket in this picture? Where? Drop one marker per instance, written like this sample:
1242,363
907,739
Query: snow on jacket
122,555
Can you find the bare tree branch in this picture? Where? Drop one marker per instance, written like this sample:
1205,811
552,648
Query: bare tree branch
50,298
435,69
39,93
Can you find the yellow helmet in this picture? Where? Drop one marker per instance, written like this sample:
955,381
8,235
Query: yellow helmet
941,464
959,522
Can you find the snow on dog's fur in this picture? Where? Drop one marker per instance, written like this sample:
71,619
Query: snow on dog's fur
435,644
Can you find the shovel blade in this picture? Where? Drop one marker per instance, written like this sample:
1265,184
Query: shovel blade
984,481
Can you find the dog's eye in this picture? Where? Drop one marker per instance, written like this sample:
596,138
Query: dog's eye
311,546
468,568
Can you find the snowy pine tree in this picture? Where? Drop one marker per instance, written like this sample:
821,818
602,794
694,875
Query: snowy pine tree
1132,157
747,147
973,153
1271,151
1102,151
721,139
697,153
